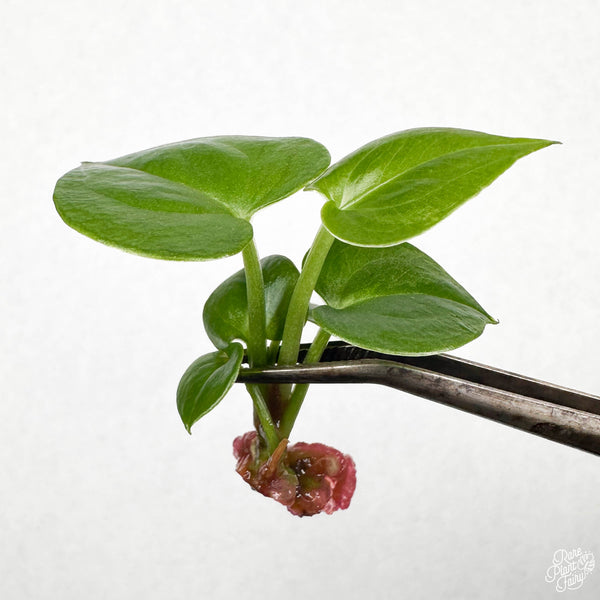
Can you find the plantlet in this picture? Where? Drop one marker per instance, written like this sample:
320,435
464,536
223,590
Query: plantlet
194,200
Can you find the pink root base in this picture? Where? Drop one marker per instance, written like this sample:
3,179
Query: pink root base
306,478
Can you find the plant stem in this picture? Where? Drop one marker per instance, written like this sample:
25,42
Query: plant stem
264,416
298,307
272,352
255,289
293,408
257,340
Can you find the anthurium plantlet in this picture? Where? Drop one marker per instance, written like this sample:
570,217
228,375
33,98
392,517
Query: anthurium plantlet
194,200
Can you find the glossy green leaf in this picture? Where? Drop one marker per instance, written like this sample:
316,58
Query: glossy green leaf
398,186
226,310
189,200
147,215
395,300
242,172
206,382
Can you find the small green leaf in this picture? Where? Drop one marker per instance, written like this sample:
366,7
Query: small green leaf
244,173
147,215
189,200
395,300
398,186
206,382
226,310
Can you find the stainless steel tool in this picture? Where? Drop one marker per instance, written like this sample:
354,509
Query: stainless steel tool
556,413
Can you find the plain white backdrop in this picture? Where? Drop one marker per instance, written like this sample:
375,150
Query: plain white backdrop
102,492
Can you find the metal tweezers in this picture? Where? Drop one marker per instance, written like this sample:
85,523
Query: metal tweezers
552,412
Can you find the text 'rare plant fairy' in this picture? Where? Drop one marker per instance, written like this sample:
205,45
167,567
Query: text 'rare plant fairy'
194,200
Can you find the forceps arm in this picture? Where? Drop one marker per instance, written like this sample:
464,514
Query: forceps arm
553,412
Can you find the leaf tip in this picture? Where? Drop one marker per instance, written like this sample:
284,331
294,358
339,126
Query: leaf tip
545,143
553,142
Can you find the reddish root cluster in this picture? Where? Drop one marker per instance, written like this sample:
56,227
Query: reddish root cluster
306,478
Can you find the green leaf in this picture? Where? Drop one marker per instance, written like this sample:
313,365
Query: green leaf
186,201
242,172
395,300
147,215
226,310
398,186
206,382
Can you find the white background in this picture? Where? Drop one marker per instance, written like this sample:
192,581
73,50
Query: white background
102,492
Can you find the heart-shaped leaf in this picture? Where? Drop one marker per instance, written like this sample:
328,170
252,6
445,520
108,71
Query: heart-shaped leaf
398,186
226,310
186,201
395,300
206,382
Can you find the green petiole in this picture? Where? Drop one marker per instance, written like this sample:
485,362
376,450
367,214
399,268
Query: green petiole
269,428
295,403
255,287
257,340
298,308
